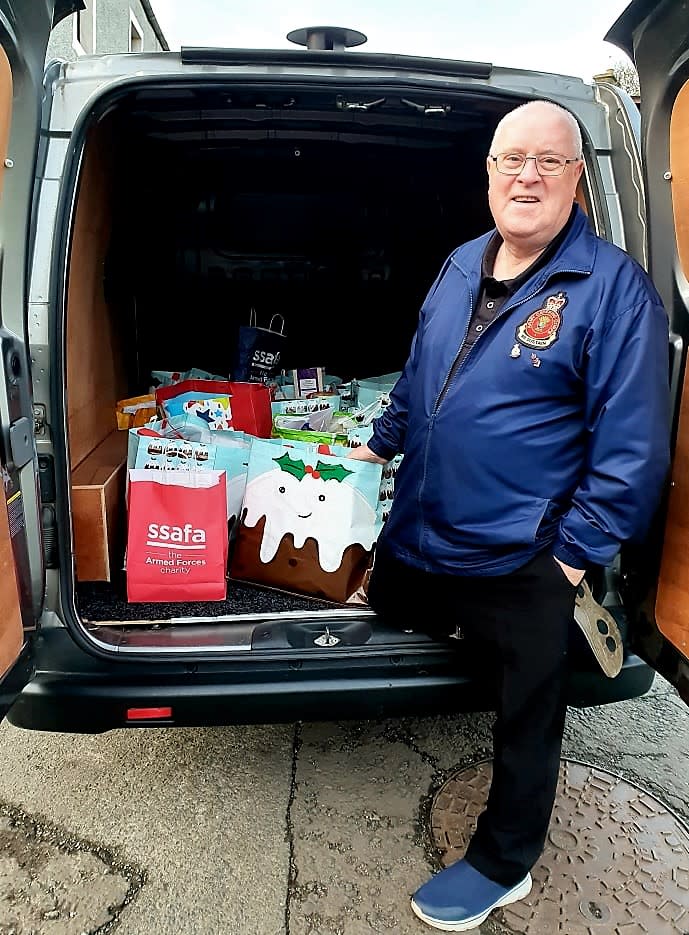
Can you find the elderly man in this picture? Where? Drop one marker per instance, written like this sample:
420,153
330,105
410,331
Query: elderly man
533,417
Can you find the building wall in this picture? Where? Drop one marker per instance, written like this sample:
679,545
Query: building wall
60,45
113,25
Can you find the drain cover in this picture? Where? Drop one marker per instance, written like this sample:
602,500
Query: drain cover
616,862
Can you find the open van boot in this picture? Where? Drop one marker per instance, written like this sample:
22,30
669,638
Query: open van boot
600,629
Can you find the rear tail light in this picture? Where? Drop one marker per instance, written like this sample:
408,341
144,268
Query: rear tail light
149,714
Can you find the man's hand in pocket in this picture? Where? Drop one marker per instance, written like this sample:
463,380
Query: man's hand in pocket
574,575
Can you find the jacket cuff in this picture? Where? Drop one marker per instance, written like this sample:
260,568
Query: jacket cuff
571,555
378,448
582,543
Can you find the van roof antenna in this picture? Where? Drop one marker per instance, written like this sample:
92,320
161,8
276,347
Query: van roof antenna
330,38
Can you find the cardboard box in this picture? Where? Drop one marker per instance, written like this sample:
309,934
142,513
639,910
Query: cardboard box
98,508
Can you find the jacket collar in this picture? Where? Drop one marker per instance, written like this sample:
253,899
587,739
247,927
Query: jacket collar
577,254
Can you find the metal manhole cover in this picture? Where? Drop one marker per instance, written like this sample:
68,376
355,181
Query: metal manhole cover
616,861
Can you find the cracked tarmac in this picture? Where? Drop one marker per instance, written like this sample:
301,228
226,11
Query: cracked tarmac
50,881
306,829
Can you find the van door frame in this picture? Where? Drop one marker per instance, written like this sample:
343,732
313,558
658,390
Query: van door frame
653,34
25,27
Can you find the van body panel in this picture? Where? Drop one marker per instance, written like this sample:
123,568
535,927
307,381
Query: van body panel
75,346
25,27
97,694
624,183
655,34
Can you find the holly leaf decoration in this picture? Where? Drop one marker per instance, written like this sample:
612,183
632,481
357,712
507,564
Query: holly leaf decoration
332,471
295,468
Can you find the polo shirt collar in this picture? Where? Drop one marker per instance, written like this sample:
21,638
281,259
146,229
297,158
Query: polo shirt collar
507,287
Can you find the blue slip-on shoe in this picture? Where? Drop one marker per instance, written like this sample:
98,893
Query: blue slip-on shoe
460,898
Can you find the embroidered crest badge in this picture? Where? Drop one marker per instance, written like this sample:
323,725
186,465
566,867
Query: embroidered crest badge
541,328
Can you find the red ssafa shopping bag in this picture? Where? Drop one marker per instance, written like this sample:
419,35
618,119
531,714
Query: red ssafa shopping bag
177,536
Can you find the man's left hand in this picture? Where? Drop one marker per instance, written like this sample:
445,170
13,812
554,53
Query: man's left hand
364,453
574,575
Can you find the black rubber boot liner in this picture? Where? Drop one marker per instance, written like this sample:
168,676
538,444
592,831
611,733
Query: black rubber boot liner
102,600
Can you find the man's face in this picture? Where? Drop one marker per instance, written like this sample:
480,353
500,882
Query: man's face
530,210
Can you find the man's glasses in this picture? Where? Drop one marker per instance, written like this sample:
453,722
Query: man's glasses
547,164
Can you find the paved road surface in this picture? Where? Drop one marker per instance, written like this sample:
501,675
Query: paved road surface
306,829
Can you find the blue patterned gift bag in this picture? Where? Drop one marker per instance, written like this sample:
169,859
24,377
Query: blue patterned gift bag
228,452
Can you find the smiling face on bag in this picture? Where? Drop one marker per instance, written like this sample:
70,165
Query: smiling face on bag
331,512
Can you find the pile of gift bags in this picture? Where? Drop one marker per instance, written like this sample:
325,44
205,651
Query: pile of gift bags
186,479
219,489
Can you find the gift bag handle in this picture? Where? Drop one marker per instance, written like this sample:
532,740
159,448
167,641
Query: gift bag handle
252,318
282,324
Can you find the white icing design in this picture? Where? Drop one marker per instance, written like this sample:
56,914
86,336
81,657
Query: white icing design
332,512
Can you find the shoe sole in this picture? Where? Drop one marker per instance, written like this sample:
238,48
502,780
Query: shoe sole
587,613
519,892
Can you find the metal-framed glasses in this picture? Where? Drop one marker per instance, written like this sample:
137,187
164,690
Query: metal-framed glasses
546,163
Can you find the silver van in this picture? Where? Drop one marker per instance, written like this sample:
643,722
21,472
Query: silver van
148,200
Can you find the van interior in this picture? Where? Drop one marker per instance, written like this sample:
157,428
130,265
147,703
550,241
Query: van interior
197,204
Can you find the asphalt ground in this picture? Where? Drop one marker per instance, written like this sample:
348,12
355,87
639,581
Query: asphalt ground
299,829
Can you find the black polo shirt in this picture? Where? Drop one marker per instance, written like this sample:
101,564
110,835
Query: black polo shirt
493,293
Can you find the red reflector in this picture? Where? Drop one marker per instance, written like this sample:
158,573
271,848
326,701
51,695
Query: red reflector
148,714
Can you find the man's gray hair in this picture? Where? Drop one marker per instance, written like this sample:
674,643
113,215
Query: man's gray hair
571,120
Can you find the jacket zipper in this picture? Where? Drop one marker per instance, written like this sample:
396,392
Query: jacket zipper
448,378
457,367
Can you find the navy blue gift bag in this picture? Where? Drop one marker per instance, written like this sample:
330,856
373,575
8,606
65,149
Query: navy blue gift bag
257,358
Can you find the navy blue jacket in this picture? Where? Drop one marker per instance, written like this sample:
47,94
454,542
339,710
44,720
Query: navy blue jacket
553,432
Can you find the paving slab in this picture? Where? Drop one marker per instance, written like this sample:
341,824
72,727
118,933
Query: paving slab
358,850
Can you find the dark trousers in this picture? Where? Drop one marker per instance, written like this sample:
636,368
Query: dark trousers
517,625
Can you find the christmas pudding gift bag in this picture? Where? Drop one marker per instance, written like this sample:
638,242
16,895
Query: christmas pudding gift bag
373,388
177,536
309,521
361,436
294,407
